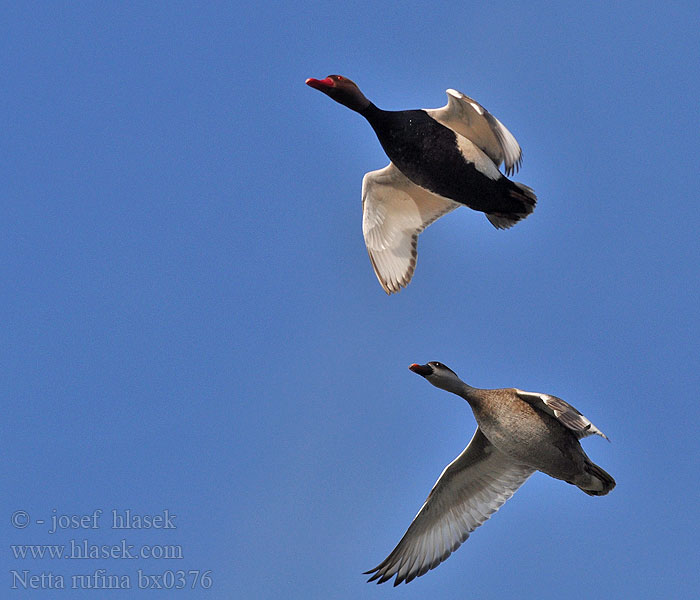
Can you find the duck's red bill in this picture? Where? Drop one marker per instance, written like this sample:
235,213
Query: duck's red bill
320,84
423,370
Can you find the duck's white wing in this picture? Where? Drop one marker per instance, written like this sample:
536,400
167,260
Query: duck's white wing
468,118
394,212
566,414
469,491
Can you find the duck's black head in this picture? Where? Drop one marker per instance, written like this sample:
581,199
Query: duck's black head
342,90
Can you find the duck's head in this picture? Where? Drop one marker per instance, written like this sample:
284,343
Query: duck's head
342,90
439,375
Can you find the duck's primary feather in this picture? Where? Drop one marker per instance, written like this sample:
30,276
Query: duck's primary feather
471,488
394,212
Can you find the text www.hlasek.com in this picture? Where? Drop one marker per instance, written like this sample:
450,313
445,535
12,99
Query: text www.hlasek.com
83,549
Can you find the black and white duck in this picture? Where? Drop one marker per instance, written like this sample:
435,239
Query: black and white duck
441,159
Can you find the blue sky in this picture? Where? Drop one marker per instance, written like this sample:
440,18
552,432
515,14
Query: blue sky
191,322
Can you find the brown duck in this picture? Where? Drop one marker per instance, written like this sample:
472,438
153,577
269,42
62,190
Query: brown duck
518,433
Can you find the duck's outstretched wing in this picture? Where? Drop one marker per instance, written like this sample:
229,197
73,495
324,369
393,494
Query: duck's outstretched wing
469,491
468,118
566,414
394,212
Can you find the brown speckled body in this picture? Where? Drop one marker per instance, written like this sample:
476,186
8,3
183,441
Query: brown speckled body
529,436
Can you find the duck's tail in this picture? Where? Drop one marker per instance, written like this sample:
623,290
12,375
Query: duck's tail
599,483
522,198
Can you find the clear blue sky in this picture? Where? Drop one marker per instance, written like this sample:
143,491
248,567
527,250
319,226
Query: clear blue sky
190,321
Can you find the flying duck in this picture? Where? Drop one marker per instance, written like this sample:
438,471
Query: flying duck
441,158
518,433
